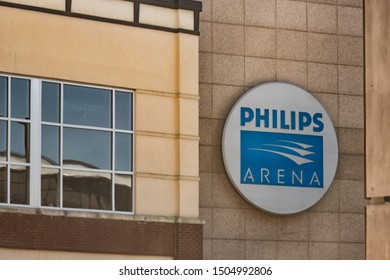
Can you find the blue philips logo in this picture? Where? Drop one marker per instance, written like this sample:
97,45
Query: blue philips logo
281,159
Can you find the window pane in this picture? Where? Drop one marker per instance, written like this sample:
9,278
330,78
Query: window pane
123,151
3,184
20,184
88,190
50,102
20,144
87,106
123,110
50,145
20,98
3,96
50,187
3,140
123,193
87,148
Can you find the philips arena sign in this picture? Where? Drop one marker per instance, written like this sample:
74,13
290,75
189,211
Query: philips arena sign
280,148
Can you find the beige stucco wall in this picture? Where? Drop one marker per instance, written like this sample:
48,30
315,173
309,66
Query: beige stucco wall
317,45
162,68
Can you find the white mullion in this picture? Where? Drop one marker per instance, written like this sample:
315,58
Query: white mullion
35,141
9,141
61,144
113,148
85,127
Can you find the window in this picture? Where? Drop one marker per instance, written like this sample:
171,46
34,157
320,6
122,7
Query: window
65,145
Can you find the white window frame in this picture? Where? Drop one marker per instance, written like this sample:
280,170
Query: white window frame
35,163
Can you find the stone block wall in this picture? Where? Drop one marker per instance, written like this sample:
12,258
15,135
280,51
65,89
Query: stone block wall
317,45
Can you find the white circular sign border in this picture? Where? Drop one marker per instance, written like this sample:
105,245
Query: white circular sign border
307,197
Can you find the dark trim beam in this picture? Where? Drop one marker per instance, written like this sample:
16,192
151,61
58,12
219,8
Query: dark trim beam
194,6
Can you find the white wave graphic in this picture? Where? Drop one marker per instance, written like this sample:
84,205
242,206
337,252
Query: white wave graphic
302,145
298,151
297,159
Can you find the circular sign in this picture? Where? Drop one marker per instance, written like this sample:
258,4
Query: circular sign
280,148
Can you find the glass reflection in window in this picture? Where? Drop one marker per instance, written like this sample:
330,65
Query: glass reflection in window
19,188
123,110
3,184
85,148
20,144
3,140
50,187
3,96
50,102
87,190
123,150
87,106
20,98
123,193
50,145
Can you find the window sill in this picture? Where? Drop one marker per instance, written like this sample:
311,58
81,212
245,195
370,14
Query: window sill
95,214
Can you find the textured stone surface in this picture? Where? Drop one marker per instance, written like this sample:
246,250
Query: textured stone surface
207,215
223,99
205,15
205,105
205,37
228,69
291,45
205,132
293,250
324,227
352,196
350,167
294,72
322,48
330,201
294,228
350,21
228,39
352,227
350,50
259,70
260,42
324,251
351,79
206,190
352,3
330,103
322,77
228,223
205,156
291,15
260,226
228,11
260,13
228,249
261,250
352,251
224,194
205,67
322,18
351,111
351,141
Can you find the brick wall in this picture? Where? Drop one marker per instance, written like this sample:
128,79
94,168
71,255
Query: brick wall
317,45
60,233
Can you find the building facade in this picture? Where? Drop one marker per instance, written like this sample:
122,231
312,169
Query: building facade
99,129
317,45
112,114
